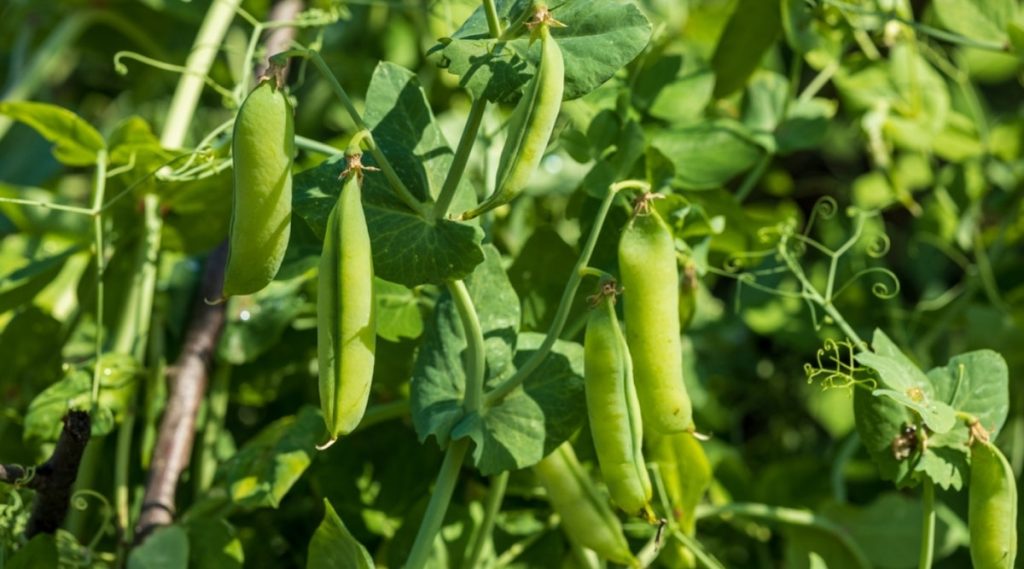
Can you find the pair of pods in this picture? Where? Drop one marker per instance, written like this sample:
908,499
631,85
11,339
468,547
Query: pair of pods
263,150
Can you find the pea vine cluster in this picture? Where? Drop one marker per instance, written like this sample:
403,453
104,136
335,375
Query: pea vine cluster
375,265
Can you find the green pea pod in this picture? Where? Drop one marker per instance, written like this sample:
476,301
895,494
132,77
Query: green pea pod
529,127
262,149
614,411
346,316
686,473
992,508
650,277
586,517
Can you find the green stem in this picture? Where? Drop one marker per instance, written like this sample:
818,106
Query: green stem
493,23
99,188
494,498
476,362
815,296
458,167
787,516
565,305
927,525
216,411
845,454
389,172
122,458
438,506
384,412
753,177
316,146
706,559
49,205
197,67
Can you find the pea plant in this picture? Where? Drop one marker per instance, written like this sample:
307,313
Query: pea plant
511,283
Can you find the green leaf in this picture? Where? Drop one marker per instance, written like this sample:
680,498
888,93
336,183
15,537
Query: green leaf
256,322
334,547
906,384
813,30
133,139
805,125
617,30
976,383
986,20
880,421
808,547
398,311
268,465
535,418
407,249
166,548
22,284
76,142
40,551
213,544
539,274
439,378
708,154
674,88
119,375
884,527
750,32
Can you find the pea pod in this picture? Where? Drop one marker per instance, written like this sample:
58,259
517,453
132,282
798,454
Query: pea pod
262,149
650,277
531,123
614,411
586,517
346,317
992,508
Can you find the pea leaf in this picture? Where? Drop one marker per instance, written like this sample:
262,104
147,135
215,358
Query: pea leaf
76,142
267,466
880,422
40,551
811,29
256,322
980,20
213,544
398,311
750,32
906,384
22,284
535,418
600,37
708,154
167,548
407,249
119,375
439,379
976,383
334,547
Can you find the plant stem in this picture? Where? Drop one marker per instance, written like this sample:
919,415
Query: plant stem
494,498
565,305
216,411
197,66
458,167
389,172
99,188
493,23
476,362
788,516
706,559
927,524
438,506
383,412
316,146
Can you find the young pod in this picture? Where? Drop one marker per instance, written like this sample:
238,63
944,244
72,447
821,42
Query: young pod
586,517
531,123
992,508
262,150
650,277
614,411
346,316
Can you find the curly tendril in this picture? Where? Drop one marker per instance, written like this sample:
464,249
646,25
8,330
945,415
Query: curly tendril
825,208
880,246
836,367
885,289
79,502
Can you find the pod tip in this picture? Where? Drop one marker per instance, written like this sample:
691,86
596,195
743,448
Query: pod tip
328,444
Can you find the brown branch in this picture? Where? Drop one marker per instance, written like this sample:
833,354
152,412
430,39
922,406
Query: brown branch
187,383
53,480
